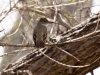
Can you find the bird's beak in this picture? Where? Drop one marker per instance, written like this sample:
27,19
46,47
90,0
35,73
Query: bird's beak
53,22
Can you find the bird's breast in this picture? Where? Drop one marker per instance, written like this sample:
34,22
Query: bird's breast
40,31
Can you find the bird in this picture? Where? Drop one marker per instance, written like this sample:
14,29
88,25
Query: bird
40,32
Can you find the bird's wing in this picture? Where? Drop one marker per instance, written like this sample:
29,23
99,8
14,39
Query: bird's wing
34,37
44,36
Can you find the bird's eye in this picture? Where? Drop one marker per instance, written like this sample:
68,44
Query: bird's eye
44,21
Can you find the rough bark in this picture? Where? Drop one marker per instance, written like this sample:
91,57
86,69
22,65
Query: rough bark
81,41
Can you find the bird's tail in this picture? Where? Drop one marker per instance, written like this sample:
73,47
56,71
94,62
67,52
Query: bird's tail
39,44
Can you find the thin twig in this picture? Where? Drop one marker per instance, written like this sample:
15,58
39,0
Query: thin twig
85,37
15,51
66,52
60,5
62,63
92,72
2,30
55,18
16,29
8,12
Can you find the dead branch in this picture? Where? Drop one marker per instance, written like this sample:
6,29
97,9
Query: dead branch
82,41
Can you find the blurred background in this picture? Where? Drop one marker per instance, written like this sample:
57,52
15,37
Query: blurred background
19,17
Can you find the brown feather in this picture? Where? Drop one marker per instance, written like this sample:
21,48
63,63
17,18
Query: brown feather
39,44
40,33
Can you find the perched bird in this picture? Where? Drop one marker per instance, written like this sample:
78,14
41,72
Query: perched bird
40,32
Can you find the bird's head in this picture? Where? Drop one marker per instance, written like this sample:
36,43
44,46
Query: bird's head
44,21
